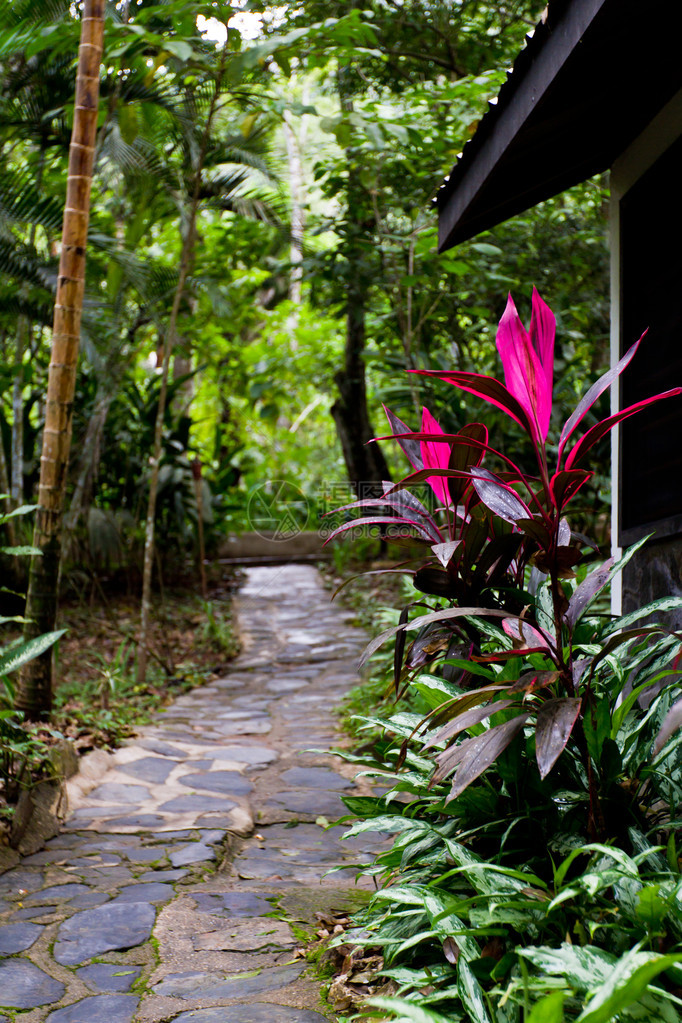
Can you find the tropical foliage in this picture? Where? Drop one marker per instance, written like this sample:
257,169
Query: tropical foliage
535,871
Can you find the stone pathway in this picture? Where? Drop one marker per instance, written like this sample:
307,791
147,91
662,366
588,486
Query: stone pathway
153,904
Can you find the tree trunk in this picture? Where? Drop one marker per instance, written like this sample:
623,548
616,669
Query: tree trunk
88,463
295,145
34,691
186,259
365,462
17,482
10,532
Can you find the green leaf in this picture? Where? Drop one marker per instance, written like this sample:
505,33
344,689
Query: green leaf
20,551
405,1010
597,726
447,924
628,980
486,249
24,652
471,994
23,509
656,606
613,852
582,967
651,908
549,1009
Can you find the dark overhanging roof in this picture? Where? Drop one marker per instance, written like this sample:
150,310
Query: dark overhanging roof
588,81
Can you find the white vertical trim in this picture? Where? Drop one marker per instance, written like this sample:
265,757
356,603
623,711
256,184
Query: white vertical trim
614,241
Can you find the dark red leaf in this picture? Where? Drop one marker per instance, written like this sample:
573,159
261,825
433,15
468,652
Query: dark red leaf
422,475
499,497
451,950
452,708
433,616
589,587
595,391
466,720
464,454
411,448
435,581
525,636
496,558
578,669
531,681
399,648
407,505
429,643
594,435
536,530
474,535
561,560
565,484
555,722
379,520
477,754
506,655
402,503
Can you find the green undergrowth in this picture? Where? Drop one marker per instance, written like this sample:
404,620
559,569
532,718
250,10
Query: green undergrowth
496,906
97,702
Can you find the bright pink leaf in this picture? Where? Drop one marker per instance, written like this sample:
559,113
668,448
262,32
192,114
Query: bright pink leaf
435,455
488,388
528,361
595,391
600,430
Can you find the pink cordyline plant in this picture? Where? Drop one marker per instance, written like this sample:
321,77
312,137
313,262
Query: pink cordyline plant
497,525
451,463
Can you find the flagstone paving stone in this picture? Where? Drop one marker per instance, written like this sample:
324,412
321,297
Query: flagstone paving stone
263,1012
112,926
99,1009
106,977
155,901
18,937
24,986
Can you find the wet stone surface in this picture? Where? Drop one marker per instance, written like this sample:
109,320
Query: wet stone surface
23,985
156,901
105,977
99,1009
112,926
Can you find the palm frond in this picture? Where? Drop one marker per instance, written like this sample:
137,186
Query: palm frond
22,203
216,185
32,11
25,267
36,307
153,282
249,206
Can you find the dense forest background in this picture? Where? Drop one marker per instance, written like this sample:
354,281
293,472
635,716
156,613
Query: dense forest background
264,178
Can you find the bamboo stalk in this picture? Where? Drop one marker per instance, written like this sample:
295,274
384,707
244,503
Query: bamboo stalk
34,691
